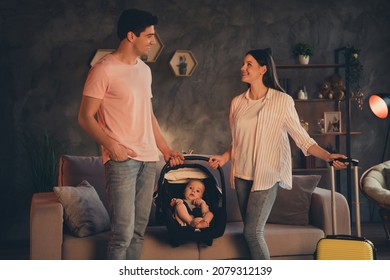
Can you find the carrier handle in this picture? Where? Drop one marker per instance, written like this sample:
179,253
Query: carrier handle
191,157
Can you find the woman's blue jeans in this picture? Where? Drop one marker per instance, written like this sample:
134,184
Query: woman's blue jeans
129,186
255,208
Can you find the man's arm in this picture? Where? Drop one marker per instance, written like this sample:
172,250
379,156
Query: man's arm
170,155
86,118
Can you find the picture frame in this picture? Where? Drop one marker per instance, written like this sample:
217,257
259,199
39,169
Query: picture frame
183,63
332,121
99,54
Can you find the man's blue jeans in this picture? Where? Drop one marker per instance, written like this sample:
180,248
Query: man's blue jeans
255,208
129,186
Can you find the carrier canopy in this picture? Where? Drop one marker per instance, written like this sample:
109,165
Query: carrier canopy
185,174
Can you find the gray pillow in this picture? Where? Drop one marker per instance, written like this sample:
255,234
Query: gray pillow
292,207
84,212
387,177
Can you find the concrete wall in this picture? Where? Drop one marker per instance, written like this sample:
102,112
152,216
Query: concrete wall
46,47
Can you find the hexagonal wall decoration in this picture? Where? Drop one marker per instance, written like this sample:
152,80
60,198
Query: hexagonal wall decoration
151,57
99,54
183,63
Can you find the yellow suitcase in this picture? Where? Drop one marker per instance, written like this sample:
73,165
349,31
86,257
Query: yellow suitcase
345,247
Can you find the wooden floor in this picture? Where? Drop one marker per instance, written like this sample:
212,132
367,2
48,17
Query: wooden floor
372,231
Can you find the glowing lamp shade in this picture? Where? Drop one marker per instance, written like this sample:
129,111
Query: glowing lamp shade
380,104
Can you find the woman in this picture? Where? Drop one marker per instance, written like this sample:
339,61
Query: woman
261,119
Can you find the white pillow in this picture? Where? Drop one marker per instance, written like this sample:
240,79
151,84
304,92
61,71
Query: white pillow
84,212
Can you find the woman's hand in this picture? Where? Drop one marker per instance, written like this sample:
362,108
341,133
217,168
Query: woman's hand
336,163
217,160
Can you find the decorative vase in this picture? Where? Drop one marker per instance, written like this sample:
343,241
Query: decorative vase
304,59
302,95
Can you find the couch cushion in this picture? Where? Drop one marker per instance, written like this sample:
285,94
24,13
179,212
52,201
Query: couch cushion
231,245
291,207
284,241
93,247
84,213
74,169
291,240
157,246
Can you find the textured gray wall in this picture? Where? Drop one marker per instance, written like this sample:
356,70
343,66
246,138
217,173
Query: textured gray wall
46,47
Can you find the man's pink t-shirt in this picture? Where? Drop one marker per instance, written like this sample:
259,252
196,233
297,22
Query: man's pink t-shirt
125,113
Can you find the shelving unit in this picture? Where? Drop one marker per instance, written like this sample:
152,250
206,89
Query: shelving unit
306,66
341,139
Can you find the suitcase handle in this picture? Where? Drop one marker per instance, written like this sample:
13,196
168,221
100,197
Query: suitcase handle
354,162
348,237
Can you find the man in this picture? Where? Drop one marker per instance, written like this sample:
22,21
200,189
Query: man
118,90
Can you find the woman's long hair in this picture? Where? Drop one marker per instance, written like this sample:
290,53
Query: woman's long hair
264,57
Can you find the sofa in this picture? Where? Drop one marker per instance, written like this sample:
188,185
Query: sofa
287,237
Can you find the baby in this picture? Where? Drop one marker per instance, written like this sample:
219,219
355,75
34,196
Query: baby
192,210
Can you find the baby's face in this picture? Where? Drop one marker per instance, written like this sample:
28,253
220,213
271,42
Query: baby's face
194,190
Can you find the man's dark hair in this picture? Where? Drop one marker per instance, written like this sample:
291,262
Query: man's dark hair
135,21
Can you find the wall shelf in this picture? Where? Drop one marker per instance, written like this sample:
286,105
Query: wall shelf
335,133
315,100
308,66
309,170
342,140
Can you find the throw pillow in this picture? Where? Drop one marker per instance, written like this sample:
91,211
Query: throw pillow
292,207
84,212
387,177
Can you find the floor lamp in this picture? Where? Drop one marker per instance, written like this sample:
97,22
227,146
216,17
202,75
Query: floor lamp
380,106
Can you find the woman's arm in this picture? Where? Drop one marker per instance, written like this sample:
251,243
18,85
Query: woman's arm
220,160
321,153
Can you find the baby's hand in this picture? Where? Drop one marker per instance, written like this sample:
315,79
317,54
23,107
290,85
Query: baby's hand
198,202
176,201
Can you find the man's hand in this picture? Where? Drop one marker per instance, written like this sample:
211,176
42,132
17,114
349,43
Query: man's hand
120,153
174,158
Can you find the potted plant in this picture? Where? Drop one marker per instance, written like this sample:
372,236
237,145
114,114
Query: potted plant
355,74
42,154
182,65
303,51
